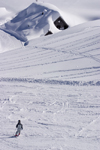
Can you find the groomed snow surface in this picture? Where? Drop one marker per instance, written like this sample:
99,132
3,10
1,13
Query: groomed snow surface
53,83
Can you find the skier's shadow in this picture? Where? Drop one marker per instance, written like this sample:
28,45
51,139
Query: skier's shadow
12,136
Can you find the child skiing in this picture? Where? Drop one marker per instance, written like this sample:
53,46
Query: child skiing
19,127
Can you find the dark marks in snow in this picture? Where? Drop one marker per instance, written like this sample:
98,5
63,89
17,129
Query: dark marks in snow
44,81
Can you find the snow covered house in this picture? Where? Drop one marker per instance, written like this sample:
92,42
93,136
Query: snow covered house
59,23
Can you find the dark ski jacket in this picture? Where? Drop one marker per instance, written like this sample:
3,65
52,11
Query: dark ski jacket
19,125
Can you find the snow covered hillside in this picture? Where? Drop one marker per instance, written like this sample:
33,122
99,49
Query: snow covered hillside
68,55
53,83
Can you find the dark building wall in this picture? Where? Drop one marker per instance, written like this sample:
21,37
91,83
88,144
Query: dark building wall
61,24
48,33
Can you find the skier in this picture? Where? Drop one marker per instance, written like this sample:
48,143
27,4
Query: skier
19,127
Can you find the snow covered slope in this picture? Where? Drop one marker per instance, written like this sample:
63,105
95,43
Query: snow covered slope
52,85
40,85
68,55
